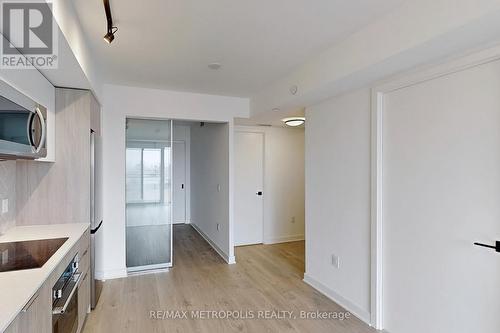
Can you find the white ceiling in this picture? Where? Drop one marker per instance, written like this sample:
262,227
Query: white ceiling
169,43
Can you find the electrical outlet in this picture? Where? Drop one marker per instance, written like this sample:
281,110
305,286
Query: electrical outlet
5,206
292,220
218,226
335,261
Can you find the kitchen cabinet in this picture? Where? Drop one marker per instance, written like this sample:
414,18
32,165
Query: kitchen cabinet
60,192
36,315
84,288
95,115
83,299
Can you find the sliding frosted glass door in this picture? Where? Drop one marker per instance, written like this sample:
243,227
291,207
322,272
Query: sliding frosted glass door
148,194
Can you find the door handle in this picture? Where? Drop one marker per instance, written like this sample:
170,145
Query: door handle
494,247
259,193
182,186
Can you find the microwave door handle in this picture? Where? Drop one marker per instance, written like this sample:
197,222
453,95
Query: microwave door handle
29,127
43,129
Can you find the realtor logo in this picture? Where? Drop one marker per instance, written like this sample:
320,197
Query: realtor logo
29,35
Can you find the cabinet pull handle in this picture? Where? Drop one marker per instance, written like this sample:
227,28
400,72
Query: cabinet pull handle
85,252
30,303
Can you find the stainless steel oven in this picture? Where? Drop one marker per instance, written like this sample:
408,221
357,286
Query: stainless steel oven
65,300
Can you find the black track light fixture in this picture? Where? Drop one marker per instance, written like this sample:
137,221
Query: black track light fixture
110,35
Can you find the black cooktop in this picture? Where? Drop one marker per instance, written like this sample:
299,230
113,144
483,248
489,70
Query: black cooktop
16,256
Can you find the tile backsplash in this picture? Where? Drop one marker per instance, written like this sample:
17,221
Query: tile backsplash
8,191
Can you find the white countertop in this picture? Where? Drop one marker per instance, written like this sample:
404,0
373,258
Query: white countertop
17,287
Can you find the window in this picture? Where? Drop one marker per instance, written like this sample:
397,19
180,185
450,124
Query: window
148,175
134,174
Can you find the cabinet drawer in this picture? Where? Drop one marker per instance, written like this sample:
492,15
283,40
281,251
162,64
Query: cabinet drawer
83,299
84,241
84,252
84,263
36,315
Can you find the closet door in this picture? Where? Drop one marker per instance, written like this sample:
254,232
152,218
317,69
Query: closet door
441,193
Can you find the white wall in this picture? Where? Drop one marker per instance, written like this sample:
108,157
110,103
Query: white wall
210,185
283,182
338,199
121,102
183,133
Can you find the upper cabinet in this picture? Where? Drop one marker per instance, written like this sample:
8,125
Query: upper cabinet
95,115
60,192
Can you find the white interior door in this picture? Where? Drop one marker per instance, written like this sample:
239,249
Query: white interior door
179,162
441,193
248,196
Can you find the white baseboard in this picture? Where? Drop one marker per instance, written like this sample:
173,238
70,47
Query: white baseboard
229,259
111,274
283,239
363,315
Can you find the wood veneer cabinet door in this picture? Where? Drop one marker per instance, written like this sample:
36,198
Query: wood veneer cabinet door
36,316
95,114
53,193
83,299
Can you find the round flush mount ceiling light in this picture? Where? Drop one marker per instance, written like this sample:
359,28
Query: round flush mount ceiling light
294,121
215,66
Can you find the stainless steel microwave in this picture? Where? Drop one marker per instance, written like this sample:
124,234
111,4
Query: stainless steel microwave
23,125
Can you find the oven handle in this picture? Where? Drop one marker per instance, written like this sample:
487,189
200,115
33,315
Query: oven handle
62,309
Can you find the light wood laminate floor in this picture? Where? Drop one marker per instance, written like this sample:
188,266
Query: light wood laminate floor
265,278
